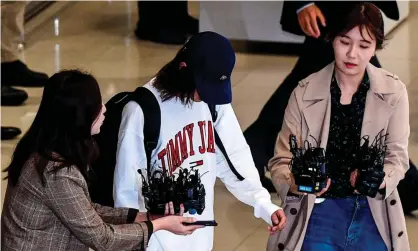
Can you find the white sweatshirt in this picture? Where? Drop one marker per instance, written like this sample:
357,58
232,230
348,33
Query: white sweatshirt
191,127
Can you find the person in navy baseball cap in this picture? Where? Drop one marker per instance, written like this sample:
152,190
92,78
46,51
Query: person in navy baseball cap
197,133
210,59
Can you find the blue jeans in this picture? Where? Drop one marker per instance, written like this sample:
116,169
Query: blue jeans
343,224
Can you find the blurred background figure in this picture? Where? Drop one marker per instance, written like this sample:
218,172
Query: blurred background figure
165,22
13,71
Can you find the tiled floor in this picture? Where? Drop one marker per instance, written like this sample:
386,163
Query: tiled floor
97,36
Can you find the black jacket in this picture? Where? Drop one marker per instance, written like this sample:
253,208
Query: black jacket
332,10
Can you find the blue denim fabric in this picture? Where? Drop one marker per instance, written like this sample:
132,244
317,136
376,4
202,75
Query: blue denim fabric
343,224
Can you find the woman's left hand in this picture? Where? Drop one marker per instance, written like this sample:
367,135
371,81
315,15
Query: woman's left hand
353,179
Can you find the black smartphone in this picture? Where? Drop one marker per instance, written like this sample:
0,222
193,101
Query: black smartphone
208,223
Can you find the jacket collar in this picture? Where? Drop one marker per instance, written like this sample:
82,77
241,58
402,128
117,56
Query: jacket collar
318,84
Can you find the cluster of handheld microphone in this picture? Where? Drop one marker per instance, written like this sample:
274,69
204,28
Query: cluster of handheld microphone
371,164
308,165
186,189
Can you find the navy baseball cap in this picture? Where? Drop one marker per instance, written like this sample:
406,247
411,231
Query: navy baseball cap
210,59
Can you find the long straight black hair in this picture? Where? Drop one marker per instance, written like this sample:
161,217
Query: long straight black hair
175,82
61,130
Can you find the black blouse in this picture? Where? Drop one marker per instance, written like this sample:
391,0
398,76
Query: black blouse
344,138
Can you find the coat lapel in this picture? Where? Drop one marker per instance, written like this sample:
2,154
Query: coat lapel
317,117
376,116
377,111
317,111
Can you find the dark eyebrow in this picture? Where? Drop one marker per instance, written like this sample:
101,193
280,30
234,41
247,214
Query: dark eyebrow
363,40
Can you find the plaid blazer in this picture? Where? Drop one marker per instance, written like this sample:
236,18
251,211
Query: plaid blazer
60,216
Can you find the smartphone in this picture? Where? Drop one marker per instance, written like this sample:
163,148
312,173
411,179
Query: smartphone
209,223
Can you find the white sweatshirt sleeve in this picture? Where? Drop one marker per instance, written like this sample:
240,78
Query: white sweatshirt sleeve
249,190
130,157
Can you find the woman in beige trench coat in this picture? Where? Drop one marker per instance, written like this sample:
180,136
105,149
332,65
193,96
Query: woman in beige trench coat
338,106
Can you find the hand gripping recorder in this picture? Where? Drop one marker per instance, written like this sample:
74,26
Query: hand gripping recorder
186,189
308,166
371,164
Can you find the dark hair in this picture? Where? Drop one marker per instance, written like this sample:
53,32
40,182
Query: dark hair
61,130
363,15
173,82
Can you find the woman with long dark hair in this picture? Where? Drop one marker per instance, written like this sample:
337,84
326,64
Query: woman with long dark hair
47,204
344,105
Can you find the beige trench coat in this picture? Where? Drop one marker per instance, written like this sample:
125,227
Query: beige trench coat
308,113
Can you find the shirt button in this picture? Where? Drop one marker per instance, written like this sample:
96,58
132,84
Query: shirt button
281,246
393,202
400,234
